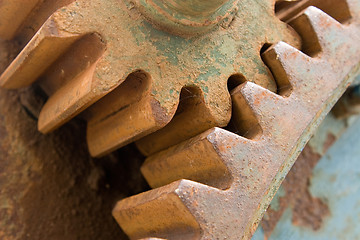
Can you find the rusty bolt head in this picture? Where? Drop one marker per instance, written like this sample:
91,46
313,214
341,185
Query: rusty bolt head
187,17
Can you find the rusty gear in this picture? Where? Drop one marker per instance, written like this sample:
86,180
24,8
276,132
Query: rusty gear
159,72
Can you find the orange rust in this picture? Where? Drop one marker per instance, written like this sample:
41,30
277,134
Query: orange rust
127,96
72,89
256,166
307,210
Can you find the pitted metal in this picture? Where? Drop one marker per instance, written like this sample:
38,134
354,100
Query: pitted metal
124,45
243,174
160,77
190,17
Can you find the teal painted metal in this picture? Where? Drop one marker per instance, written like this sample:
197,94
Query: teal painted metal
336,180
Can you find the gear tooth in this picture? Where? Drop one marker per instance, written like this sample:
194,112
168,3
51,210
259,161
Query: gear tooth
67,101
317,30
253,109
207,158
46,58
78,85
12,14
44,49
113,131
203,153
126,114
21,19
151,214
196,112
281,59
217,151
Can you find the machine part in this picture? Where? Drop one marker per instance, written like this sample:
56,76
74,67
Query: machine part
189,17
133,71
144,64
21,19
212,204
339,10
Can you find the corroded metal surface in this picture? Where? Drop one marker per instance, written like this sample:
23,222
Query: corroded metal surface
333,182
124,46
143,71
231,206
189,17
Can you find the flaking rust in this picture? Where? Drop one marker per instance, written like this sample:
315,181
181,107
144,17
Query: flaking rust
136,59
126,65
257,165
307,210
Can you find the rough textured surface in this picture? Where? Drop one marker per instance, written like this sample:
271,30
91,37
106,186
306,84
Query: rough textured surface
334,180
295,195
307,210
50,187
258,163
80,182
129,43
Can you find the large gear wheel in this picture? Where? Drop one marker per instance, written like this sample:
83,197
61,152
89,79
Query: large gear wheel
81,55
169,74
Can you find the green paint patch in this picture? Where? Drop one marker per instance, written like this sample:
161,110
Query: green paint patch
208,73
205,89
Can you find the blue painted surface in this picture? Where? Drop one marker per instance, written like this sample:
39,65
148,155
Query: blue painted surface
336,180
